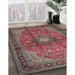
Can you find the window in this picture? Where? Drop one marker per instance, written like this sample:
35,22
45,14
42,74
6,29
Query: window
27,10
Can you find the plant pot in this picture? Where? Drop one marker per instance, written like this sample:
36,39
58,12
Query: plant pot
56,19
50,18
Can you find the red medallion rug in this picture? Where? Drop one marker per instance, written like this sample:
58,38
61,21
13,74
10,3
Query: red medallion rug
38,48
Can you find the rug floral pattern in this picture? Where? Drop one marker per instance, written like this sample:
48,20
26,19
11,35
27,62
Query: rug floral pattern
44,43
38,48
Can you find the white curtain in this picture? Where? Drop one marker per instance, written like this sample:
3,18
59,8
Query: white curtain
27,10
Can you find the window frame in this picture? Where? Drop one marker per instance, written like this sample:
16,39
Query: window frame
26,11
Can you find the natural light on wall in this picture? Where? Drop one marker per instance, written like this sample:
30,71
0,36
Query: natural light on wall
27,10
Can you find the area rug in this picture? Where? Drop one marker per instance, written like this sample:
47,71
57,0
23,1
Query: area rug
38,48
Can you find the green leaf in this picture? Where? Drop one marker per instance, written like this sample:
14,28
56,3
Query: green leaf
58,1
53,6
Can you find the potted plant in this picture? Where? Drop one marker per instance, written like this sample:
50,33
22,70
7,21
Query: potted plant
57,6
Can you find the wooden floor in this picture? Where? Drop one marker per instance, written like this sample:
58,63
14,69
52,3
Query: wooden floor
13,69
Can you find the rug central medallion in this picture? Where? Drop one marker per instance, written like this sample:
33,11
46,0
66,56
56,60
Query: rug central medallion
44,40
44,43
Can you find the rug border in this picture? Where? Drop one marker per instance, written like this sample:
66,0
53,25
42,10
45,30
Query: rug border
23,73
